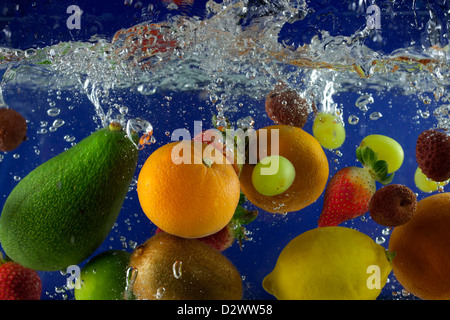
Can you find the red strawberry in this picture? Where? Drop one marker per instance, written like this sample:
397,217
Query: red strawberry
221,240
234,230
18,282
348,192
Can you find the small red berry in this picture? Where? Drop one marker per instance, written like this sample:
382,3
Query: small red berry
19,283
433,154
13,129
285,107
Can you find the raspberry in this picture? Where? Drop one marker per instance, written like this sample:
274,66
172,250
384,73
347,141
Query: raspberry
433,155
13,129
393,205
285,107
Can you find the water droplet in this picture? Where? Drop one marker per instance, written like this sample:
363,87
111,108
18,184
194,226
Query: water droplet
380,240
69,138
423,114
123,110
176,269
363,101
132,273
58,123
386,231
353,119
375,115
160,292
147,89
213,98
245,123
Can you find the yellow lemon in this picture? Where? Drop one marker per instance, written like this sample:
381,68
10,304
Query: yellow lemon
330,263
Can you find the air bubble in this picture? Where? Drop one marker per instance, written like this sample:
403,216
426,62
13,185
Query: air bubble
375,115
147,89
53,112
160,292
363,101
69,138
132,273
380,240
58,123
386,231
176,269
353,120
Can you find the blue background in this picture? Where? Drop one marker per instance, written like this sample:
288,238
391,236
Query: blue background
36,24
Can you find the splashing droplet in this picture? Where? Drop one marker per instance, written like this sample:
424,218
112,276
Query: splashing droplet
132,273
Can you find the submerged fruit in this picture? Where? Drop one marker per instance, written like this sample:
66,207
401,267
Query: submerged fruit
329,130
62,211
387,149
18,282
347,196
285,106
349,191
186,194
422,263
330,263
273,175
104,277
13,129
393,205
433,155
425,184
307,157
173,268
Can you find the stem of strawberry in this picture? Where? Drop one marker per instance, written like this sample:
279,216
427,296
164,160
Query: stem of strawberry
378,168
240,218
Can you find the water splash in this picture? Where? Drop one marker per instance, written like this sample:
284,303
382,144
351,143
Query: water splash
238,43
131,276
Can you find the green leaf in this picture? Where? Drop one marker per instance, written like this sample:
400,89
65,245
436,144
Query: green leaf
377,168
242,199
387,179
390,255
45,62
366,156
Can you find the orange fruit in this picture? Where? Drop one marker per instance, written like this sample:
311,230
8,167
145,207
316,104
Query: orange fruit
189,199
422,247
167,267
309,161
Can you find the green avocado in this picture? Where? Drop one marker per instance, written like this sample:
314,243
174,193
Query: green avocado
63,210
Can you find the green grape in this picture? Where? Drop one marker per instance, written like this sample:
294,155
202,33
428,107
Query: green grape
273,175
387,149
328,130
425,184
